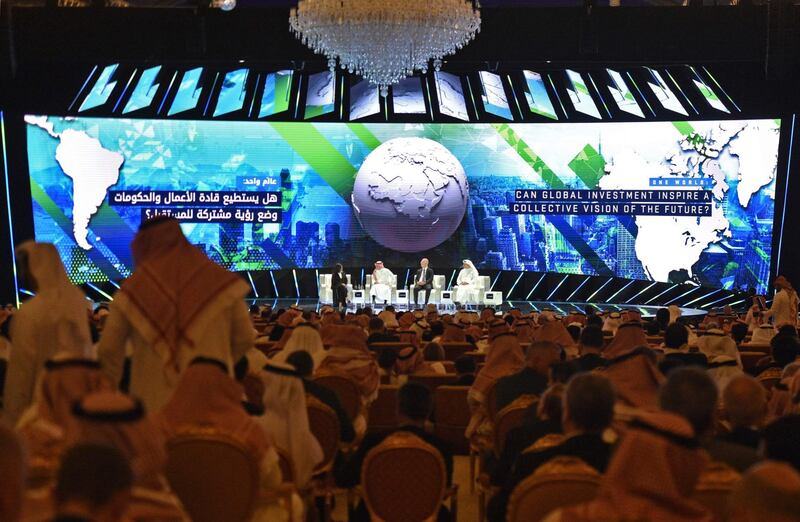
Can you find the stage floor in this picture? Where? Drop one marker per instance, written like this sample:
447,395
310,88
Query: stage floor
525,306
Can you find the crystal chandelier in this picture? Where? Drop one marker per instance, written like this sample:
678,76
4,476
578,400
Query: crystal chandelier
385,41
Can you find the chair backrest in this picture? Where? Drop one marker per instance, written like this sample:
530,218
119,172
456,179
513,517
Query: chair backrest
345,389
450,366
561,482
714,489
438,282
433,381
484,282
403,479
324,425
453,351
204,467
383,411
451,416
325,280
750,359
510,417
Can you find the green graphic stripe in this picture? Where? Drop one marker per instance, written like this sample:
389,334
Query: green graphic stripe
589,166
530,157
364,134
320,155
683,127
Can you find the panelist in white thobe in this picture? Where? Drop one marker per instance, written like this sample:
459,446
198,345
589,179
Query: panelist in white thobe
382,282
467,289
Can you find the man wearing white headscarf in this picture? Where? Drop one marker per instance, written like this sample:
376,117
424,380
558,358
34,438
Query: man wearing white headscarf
715,343
55,321
285,419
382,282
612,322
784,306
467,289
306,338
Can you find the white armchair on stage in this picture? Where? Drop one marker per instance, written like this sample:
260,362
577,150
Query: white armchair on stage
436,291
473,294
392,285
326,292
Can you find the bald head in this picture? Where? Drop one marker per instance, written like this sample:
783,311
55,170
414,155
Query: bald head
12,469
745,402
768,491
541,354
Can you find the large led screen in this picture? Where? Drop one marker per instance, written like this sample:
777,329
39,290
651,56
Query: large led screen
662,201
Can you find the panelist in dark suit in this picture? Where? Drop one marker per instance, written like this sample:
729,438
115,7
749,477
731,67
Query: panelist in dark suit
423,280
339,286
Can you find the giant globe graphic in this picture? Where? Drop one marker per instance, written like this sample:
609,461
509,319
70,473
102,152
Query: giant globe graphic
410,194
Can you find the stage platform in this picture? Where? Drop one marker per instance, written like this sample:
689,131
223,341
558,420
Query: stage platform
525,306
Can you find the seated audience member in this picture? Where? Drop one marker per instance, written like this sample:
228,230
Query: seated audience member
387,360
410,359
722,369
465,370
780,440
590,348
378,334
588,408
651,328
715,343
434,357
453,333
48,423
94,484
594,320
434,334
628,336
414,407
785,350
745,404
651,476
768,491
533,378
306,338
115,419
676,339
349,355
692,394
561,371
12,471
542,418
612,322
762,334
738,332
784,399
504,358
285,419
555,332
387,315
662,319
636,378
303,364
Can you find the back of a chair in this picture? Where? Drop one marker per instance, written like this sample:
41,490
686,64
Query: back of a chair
484,283
204,468
451,416
433,381
438,282
450,366
403,479
383,411
559,483
453,351
345,389
324,425
714,489
325,280
750,360
510,417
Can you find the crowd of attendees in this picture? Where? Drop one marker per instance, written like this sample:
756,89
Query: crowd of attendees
91,405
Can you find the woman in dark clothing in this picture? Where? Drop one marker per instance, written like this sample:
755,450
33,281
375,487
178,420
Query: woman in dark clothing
339,286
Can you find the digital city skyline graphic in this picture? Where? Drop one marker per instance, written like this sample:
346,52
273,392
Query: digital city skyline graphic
314,166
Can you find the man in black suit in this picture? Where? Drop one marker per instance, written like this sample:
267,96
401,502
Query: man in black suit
587,410
423,280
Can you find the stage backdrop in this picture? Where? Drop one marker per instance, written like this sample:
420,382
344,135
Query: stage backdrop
659,200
